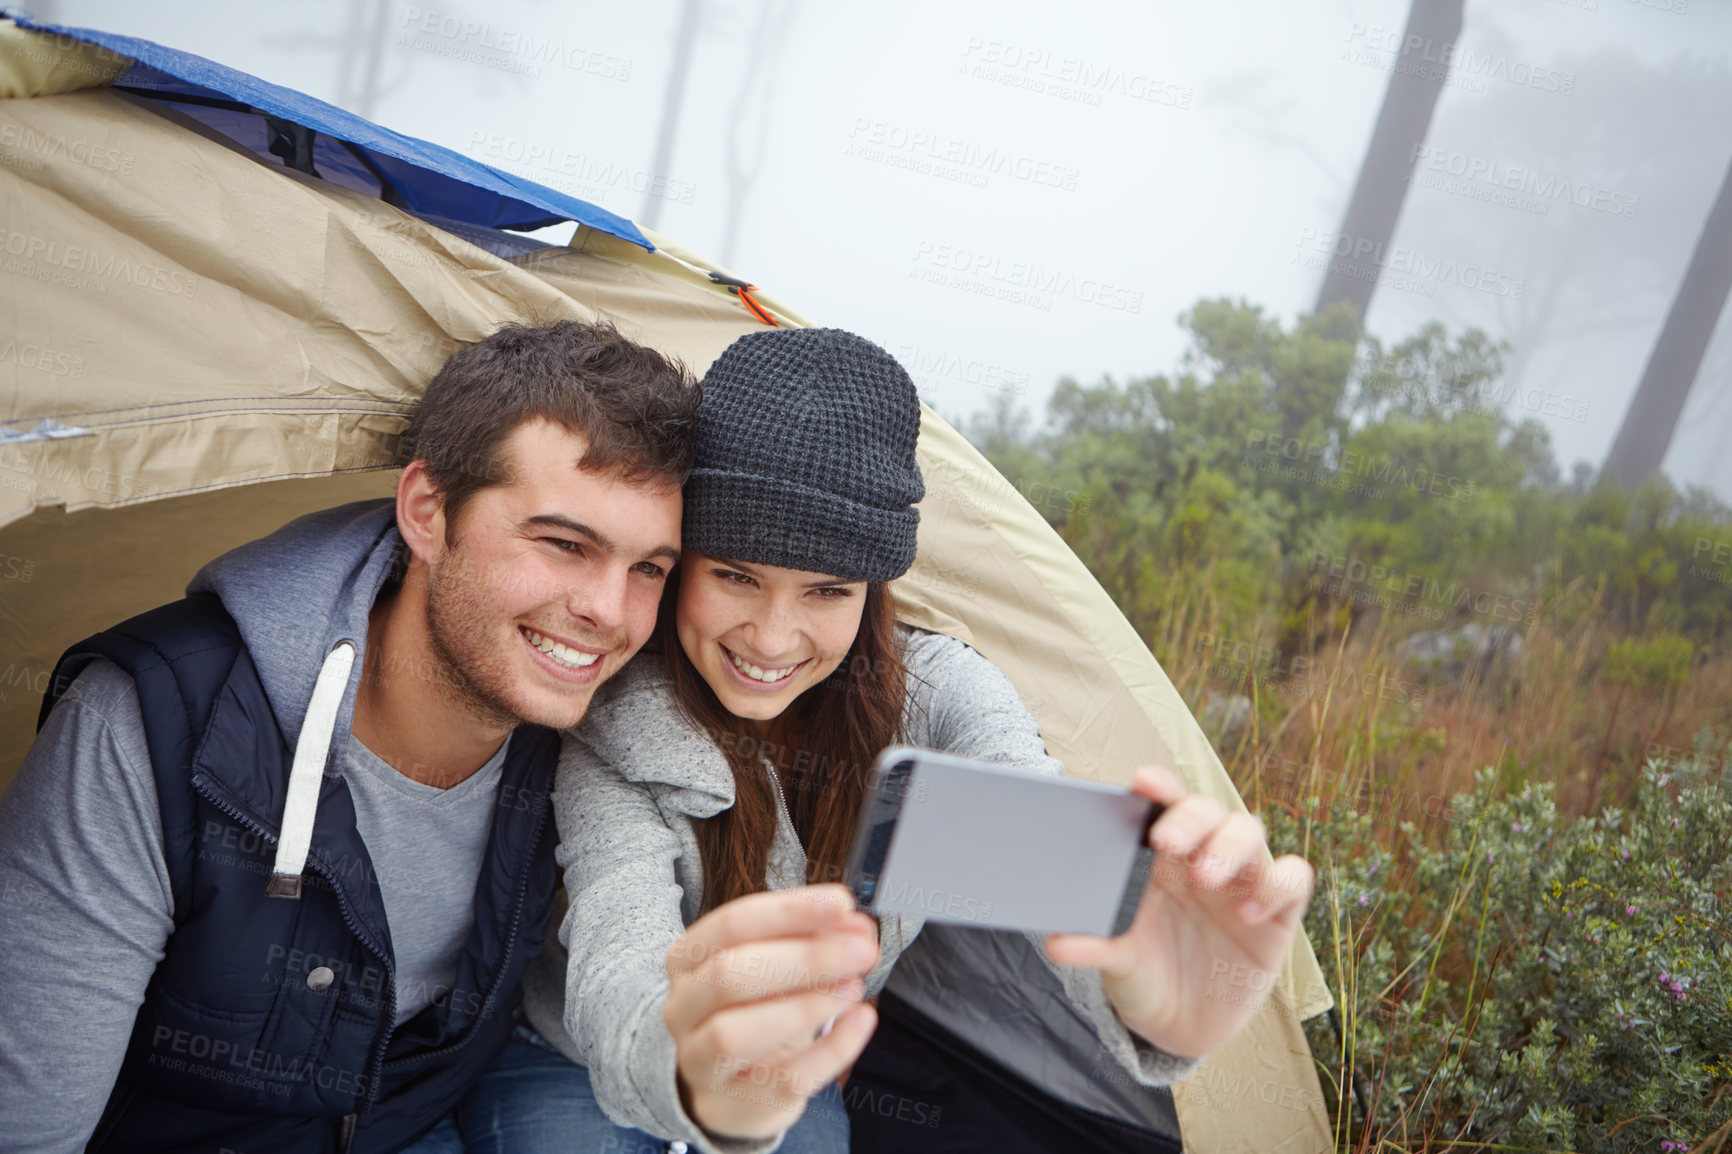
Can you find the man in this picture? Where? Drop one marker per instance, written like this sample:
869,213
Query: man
286,842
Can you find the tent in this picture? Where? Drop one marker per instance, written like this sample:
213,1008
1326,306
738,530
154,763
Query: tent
221,299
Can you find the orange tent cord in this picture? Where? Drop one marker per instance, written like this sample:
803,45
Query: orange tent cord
743,290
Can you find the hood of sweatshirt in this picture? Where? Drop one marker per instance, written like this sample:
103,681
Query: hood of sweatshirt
298,593
635,726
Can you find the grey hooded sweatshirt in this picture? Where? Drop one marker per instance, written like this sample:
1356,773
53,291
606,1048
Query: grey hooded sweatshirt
631,780
85,905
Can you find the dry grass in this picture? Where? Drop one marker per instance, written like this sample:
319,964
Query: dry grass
1349,721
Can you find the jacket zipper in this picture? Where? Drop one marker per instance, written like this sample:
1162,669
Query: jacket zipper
377,1061
787,819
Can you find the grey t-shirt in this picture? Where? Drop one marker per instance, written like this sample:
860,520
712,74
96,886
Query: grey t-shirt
86,910
426,844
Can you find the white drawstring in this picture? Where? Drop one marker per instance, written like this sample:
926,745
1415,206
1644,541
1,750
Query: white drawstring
308,770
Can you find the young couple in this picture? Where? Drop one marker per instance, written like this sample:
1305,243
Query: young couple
283,852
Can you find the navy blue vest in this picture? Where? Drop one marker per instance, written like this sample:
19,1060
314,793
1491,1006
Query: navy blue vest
268,1026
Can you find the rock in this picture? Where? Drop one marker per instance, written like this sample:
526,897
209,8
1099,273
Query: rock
1226,712
1446,655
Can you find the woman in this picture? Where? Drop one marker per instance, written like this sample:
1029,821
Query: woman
713,994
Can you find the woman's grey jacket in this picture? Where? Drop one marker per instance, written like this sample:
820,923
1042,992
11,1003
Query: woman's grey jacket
632,778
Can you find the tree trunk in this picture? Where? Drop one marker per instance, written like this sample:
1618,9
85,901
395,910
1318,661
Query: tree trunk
751,114
1415,81
673,101
1646,432
362,48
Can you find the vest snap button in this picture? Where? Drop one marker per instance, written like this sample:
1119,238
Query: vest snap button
320,978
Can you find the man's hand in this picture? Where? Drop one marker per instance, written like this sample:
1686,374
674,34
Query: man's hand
750,986
1213,929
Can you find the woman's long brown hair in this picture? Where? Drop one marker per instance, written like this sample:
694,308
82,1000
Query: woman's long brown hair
835,730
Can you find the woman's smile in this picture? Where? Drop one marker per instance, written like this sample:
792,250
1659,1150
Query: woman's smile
762,677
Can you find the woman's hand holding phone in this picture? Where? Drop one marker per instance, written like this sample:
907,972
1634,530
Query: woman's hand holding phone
751,986
1213,929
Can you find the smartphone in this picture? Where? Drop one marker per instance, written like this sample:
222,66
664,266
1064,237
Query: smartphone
969,842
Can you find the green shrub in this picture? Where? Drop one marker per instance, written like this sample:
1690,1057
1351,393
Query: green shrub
1513,978
1270,445
1653,663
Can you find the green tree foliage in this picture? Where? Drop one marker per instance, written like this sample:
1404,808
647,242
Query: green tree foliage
1274,455
1507,976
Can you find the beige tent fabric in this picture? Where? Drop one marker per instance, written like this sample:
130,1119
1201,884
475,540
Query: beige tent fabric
242,344
34,64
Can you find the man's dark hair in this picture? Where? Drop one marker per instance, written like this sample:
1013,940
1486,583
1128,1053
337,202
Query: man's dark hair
633,405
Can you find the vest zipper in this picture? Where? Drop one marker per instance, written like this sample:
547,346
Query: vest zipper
345,1134
505,959
377,1061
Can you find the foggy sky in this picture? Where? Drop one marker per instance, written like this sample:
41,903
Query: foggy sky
1003,194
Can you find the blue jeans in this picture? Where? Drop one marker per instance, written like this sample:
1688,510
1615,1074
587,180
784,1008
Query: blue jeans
534,1100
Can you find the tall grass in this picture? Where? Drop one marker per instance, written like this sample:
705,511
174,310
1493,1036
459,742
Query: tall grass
1467,832
1350,721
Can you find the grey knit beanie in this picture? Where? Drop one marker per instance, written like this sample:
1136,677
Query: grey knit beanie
805,456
